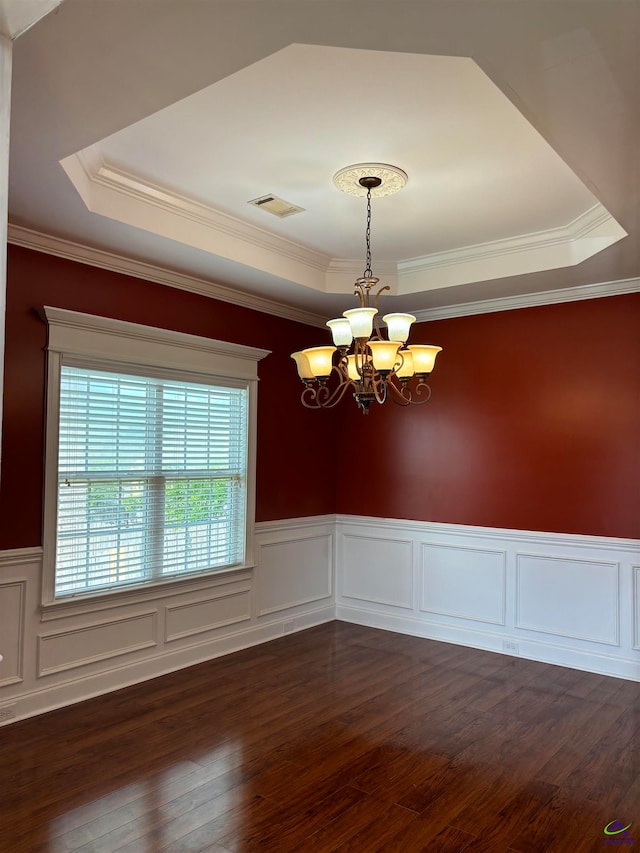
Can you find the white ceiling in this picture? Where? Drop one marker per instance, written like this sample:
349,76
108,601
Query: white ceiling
517,123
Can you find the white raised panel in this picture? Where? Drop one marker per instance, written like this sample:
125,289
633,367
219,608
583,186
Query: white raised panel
12,602
636,606
206,614
377,569
568,597
79,646
465,582
294,572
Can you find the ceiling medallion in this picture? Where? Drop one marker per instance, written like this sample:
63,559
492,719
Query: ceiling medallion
375,369
392,179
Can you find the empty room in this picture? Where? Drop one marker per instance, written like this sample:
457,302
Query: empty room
320,467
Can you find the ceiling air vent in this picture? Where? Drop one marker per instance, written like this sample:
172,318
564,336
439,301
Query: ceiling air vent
277,206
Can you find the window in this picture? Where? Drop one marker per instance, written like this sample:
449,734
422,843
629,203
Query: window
153,463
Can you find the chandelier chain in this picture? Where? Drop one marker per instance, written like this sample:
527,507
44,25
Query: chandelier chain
367,270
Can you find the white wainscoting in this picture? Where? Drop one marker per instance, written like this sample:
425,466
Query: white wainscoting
56,656
562,599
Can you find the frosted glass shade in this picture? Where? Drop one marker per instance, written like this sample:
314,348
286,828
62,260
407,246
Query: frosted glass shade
424,357
361,321
405,371
398,326
384,355
302,363
320,360
352,370
341,331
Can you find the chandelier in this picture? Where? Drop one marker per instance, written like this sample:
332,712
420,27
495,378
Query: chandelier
374,368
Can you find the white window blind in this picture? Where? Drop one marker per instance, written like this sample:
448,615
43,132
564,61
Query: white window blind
152,478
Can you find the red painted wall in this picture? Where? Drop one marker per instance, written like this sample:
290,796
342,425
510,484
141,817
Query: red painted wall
289,483
534,424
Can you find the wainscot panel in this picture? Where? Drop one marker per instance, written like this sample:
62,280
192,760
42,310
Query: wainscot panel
557,598
294,566
197,614
568,597
636,607
67,652
75,647
378,569
12,605
469,583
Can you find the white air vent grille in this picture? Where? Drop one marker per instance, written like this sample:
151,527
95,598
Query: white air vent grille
278,206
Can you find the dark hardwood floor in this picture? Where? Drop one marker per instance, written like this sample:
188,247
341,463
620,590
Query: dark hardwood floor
337,738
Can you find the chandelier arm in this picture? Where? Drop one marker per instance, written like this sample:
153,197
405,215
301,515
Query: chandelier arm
405,396
321,397
342,369
379,386
377,336
376,324
360,353
398,395
337,394
377,296
421,388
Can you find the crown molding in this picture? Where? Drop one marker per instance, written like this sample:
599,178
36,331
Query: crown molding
117,180
354,268
39,242
16,16
578,229
531,300
131,199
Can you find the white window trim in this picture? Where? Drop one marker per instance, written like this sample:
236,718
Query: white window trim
105,342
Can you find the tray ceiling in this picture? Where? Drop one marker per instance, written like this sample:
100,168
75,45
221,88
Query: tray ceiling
514,130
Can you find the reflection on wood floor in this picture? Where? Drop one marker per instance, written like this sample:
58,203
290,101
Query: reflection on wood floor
337,738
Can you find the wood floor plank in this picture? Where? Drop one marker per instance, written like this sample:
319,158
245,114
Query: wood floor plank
420,837
341,737
357,821
567,822
496,820
286,828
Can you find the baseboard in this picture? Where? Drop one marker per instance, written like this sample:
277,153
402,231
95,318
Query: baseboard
529,650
